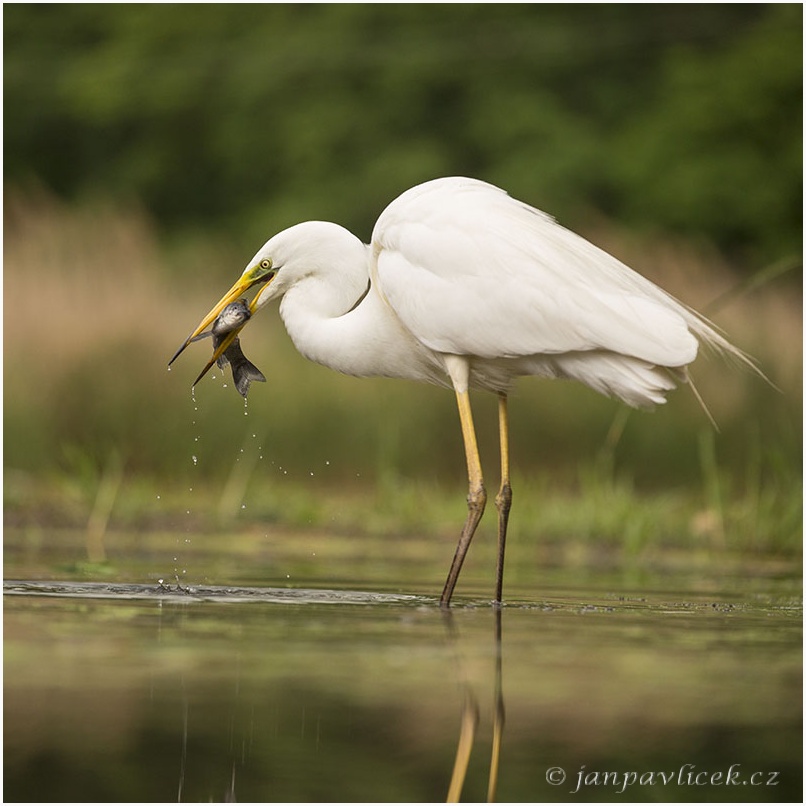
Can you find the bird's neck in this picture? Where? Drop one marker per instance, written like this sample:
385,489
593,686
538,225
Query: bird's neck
314,310
337,319
333,286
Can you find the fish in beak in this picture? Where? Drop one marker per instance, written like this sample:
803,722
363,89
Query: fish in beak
226,319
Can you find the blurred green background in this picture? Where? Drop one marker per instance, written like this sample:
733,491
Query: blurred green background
151,149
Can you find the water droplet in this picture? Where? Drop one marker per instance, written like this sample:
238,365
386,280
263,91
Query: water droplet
288,576
158,498
195,459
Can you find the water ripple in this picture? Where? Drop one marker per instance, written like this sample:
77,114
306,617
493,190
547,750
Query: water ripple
204,593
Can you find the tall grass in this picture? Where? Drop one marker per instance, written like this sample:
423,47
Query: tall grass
94,422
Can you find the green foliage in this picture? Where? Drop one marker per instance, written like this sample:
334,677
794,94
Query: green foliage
723,140
252,117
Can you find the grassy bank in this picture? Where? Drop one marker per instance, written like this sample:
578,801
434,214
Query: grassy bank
99,434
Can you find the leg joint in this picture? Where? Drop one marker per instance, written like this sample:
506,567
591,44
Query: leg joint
477,498
504,498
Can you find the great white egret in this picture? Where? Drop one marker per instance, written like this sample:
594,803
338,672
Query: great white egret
464,286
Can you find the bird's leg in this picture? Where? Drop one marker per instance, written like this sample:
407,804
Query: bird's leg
503,501
476,496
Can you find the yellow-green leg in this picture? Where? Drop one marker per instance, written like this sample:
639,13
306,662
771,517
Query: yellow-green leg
503,501
476,495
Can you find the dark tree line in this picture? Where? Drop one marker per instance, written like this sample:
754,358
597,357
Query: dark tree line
683,118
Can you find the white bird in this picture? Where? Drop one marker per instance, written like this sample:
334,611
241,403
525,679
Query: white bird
464,286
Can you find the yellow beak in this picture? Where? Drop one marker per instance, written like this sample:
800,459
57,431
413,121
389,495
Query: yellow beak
219,351
243,284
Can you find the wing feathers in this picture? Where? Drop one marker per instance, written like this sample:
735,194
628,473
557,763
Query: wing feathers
471,271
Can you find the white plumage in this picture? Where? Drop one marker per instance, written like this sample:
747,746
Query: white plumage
462,285
466,270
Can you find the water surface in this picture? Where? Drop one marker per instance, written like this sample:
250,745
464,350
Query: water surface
126,690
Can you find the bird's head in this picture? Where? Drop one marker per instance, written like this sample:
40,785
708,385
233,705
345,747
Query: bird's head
260,271
301,251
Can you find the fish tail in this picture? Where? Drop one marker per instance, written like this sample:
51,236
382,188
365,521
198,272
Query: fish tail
244,373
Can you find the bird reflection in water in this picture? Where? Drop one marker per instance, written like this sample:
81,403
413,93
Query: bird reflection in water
470,715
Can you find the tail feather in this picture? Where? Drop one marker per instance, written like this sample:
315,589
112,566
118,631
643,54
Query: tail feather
635,382
687,379
711,337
